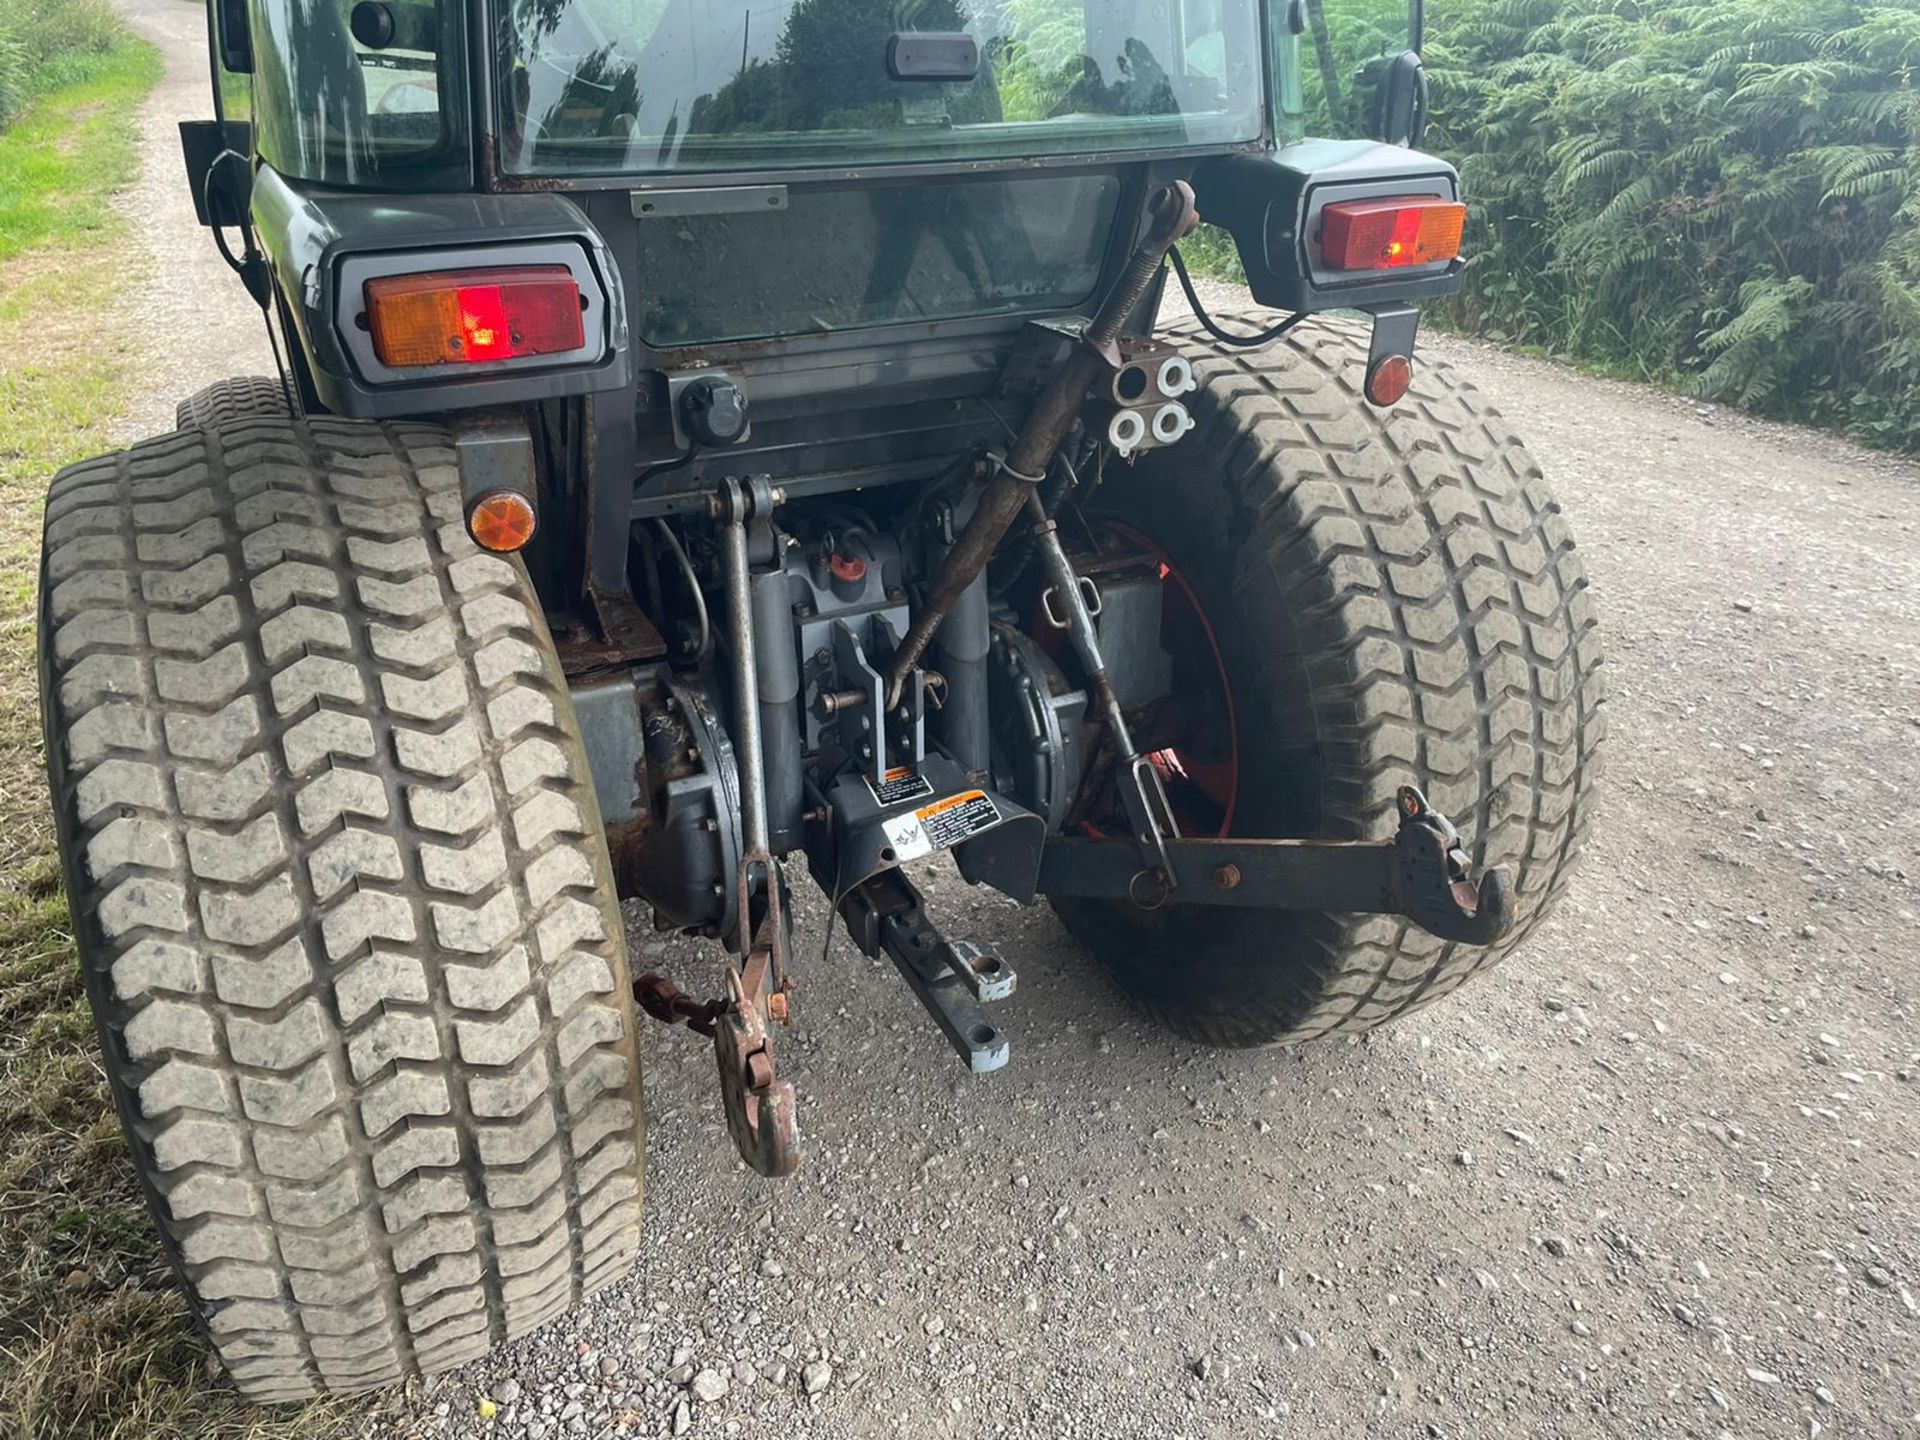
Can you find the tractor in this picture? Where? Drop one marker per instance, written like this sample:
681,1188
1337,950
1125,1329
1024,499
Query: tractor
719,444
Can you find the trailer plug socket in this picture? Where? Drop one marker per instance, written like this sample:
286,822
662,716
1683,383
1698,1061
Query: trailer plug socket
713,410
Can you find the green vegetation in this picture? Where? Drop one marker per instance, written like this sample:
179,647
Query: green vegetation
62,160
94,1339
1723,196
51,45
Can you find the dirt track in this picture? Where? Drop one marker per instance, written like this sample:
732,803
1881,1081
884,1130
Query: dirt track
1659,1174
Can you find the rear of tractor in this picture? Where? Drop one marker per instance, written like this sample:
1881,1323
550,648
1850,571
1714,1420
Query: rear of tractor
718,443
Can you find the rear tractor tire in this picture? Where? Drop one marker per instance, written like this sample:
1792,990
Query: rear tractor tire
1396,599
341,897
226,402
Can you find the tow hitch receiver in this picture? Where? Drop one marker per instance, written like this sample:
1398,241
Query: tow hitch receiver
951,977
1422,873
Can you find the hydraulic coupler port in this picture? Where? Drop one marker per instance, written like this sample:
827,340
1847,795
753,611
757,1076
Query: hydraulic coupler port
1126,431
1145,411
1170,422
1176,377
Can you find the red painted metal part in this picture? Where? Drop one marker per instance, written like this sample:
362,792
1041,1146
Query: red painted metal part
1219,782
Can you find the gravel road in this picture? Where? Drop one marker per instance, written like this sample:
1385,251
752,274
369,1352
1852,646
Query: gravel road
1656,1176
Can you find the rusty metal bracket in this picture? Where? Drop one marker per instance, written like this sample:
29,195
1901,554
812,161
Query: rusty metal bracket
1433,882
1422,873
761,1107
670,1005
613,634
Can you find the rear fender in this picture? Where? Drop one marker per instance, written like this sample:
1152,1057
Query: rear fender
1272,204
324,245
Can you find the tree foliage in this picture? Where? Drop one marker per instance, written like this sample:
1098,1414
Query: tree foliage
1720,192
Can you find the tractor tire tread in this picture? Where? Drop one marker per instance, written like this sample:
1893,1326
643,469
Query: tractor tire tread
237,398
1449,637
371,1038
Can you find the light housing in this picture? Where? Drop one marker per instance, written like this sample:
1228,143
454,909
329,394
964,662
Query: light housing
474,317
1387,233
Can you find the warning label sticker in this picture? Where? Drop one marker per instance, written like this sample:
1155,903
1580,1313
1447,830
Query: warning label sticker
900,785
941,825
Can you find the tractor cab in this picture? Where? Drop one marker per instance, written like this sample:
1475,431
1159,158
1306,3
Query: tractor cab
789,178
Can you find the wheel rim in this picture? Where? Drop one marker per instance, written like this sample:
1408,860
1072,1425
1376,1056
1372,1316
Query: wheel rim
1193,737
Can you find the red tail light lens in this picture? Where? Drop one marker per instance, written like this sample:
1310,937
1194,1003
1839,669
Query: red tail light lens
1384,234
474,316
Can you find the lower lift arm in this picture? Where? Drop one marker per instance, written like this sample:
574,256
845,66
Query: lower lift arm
1422,873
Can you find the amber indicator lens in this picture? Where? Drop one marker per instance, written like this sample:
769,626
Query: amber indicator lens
1389,379
501,521
470,317
1385,234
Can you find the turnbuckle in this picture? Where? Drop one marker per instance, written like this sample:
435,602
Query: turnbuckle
1142,793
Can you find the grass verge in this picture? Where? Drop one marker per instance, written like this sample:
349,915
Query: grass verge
94,1338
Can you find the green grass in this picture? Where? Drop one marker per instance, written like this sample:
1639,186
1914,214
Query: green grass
50,44
94,1336
62,161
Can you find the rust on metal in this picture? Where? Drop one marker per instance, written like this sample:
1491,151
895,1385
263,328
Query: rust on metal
615,633
760,1106
669,1004
1173,216
625,841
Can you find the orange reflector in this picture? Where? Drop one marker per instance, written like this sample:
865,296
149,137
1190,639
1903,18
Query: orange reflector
1389,379
1383,234
473,316
501,521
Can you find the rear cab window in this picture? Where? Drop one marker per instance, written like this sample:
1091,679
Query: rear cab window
644,86
390,115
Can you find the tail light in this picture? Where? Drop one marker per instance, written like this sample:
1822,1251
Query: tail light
474,316
1384,234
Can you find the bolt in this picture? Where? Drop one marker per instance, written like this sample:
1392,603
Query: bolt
777,1009
1227,877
